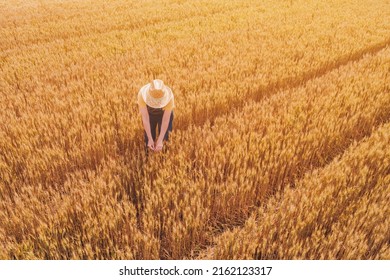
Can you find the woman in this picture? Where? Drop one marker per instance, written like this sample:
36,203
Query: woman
156,103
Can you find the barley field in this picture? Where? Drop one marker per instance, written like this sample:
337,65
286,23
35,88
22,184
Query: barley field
280,142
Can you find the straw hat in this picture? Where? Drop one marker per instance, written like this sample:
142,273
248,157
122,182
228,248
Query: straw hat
156,94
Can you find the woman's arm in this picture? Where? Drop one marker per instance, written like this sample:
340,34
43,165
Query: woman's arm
146,123
164,127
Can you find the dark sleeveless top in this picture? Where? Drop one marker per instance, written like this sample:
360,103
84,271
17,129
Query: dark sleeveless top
155,111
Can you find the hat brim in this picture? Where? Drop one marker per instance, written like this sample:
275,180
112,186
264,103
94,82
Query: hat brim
156,102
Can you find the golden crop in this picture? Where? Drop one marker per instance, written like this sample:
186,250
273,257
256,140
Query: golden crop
337,212
274,100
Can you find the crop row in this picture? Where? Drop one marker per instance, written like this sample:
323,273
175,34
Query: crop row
337,212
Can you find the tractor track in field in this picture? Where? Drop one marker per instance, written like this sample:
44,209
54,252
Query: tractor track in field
297,81
208,249
207,246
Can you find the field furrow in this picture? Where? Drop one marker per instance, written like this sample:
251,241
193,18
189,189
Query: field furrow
337,212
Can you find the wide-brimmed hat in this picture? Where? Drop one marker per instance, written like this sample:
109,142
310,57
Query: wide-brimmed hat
156,94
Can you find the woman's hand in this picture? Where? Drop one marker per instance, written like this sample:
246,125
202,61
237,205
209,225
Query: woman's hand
151,144
159,146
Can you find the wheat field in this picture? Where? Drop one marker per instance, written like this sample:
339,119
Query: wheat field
280,147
